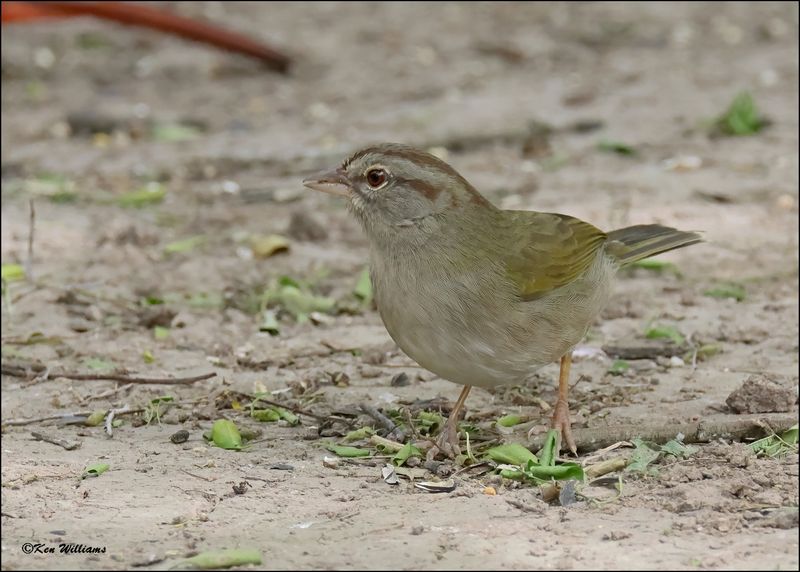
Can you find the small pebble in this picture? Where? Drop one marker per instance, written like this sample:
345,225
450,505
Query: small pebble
400,380
179,436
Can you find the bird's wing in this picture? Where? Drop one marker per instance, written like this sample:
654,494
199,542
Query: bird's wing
550,250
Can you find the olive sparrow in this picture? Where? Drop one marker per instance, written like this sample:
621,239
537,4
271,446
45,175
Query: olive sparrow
476,294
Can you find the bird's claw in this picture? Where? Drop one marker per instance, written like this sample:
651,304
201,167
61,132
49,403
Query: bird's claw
446,444
561,423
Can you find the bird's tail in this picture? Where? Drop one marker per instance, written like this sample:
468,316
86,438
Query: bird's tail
634,243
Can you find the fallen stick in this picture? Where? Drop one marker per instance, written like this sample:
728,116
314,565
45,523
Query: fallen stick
729,427
390,426
387,444
109,425
31,372
605,467
79,417
153,18
645,351
68,445
31,228
295,409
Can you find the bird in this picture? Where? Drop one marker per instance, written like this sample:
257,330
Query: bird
479,295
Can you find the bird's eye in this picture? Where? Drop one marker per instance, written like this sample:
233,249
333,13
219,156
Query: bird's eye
376,177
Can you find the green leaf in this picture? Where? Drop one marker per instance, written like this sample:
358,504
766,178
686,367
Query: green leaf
95,470
265,415
678,449
12,272
287,416
427,422
619,367
225,434
96,418
99,364
39,338
344,451
403,454
555,162
704,352
656,265
205,300
728,290
160,332
296,299
270,323
665,332
511,454
741,118
510,420
515,474
616,147
215,559
564,471
154,410
175,132
358,434
363,289
54,187
151,194
642,457
289,281
548,454
147,356
777,445
184,244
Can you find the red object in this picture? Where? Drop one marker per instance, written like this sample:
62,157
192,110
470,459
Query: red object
147,17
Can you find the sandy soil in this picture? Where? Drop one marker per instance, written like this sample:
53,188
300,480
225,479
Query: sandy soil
468,78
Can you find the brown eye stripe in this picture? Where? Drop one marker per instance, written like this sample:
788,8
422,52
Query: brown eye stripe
426,190
421,159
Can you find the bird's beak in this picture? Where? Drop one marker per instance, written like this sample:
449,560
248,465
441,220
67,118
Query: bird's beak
332,182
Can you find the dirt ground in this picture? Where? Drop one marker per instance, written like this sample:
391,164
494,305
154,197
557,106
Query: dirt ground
79,103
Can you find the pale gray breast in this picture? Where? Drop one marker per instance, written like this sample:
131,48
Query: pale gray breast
473,329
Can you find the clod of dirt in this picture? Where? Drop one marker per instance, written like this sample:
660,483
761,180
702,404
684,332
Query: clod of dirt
762,393
152,316
241,488
376,355
180,436
303,226
784,518
400,380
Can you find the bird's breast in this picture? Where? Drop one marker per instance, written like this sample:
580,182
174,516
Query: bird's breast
472,327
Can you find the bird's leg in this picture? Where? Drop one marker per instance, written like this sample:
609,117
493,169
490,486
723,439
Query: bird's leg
447,442
560,419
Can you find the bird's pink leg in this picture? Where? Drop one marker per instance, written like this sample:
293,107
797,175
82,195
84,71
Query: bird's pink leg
560,419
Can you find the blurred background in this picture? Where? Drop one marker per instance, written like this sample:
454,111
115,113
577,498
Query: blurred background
172,232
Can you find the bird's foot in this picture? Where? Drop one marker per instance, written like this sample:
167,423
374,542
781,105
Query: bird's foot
446,444
561,423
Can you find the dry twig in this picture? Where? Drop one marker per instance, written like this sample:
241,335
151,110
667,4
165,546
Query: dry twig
391,427
79,417
32,371
68,445
736,427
